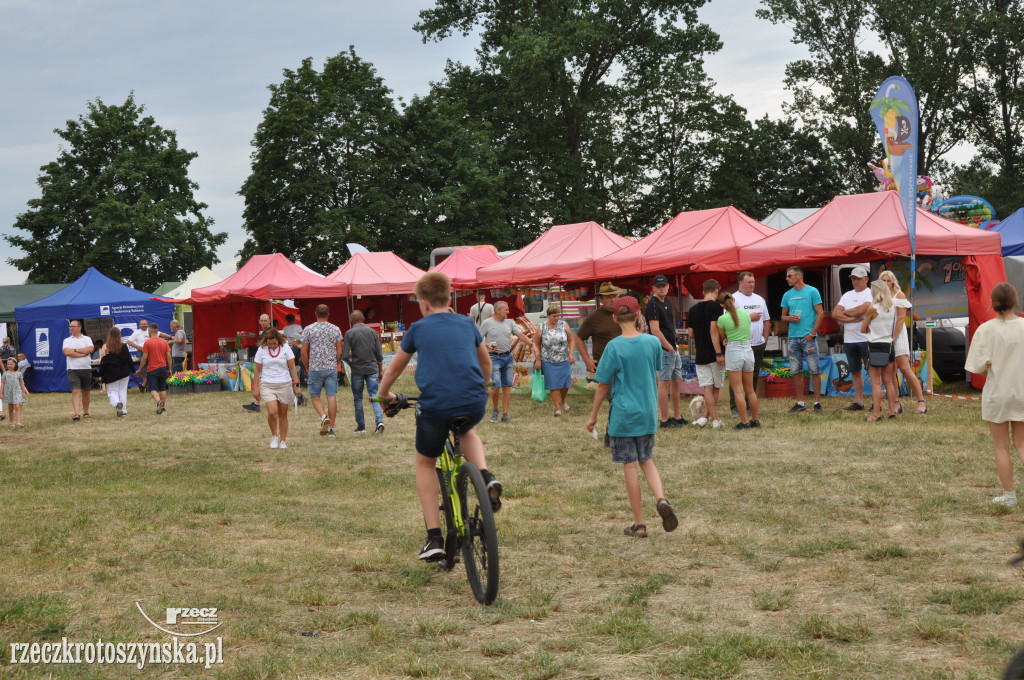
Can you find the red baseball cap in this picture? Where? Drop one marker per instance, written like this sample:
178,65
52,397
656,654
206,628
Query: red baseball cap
629,302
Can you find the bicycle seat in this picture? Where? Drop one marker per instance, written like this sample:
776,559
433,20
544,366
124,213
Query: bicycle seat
458,424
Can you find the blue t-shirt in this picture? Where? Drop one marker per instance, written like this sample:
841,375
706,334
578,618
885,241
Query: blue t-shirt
802,301
630,366
447,370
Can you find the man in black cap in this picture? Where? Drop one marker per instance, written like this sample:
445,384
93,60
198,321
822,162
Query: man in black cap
661,320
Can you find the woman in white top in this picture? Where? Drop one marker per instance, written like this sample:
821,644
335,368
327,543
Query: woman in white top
275,382
880,321
997,352
902,344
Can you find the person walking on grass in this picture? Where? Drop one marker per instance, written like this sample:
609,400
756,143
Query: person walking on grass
600,328
710,373
321,352
801,307
497,333
850,311
733,330
154,364
265,325
628,369
115,369
453,361
902,345
554,351
661,323
12,387
365,360
880,322
78,349
276,383
997,352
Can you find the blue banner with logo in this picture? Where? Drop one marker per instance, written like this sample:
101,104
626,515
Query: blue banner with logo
894,111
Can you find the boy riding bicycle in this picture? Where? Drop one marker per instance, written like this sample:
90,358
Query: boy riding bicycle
450,370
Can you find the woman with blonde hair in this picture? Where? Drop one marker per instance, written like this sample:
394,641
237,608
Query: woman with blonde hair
997,352
554,346
880,323
733,329
274,381
902,343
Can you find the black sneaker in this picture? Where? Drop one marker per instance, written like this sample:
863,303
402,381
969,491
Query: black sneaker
755,423
359,430
669,424
433,550
254,407
494,488
742,426
680,421
855,406
120,409
817,407
798,408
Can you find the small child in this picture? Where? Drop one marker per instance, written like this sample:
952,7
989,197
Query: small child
12,387
629,368
453,361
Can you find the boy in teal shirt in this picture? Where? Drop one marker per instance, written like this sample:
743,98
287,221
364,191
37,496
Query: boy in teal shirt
629,368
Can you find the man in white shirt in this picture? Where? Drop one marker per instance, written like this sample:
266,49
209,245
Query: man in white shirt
850,312
482,310
760,328
139,337
497,332
78,349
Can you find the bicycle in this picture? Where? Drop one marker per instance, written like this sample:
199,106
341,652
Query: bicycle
468,516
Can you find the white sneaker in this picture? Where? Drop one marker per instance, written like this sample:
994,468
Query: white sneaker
1006,500
283,446
275,442
701,422
717,425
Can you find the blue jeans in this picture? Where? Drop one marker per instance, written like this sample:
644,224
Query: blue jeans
372,384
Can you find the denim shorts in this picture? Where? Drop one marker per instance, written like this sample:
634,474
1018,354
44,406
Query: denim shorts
503,370
156,380
739,357
432,429
856,356
801,350
631,449
323,380
671,366
80,378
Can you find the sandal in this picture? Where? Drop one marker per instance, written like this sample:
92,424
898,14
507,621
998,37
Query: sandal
669,522
558,413
76,417
637,530
20,425
918,411
899,408
873,418
86,415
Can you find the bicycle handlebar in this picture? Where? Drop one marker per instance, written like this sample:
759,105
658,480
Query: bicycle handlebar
401,402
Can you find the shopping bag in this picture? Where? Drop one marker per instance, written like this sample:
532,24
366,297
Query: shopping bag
539,393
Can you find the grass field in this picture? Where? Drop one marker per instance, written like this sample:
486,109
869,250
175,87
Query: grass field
819,547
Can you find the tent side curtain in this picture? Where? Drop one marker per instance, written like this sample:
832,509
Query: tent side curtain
983,273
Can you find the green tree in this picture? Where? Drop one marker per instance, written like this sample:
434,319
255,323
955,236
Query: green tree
118,198
324,164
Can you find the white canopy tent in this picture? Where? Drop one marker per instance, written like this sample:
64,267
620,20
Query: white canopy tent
787,217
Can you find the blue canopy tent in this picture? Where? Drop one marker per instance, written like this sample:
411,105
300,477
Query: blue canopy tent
43,324
1012,231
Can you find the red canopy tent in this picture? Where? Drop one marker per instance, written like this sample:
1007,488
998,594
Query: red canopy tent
462,264
563,253
386,279
865,227
235,304
696,241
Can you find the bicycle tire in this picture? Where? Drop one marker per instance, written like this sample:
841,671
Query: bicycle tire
1015,669
451,536
480,544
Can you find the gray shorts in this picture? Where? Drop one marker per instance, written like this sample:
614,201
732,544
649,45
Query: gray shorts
631,449
80,378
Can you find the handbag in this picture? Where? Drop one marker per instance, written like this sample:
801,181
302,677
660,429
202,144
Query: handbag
880,354
539,393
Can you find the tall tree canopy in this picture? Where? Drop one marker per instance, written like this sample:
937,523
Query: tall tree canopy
118,198
323,165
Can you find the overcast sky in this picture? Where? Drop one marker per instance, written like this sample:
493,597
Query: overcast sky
201,68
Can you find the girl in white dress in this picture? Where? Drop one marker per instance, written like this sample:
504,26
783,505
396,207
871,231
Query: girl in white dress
903,345
997,352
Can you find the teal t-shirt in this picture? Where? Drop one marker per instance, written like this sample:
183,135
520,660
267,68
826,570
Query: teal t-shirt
630,366
801,301
733,332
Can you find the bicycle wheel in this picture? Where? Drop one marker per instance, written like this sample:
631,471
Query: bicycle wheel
451,536
480,544
1015,669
